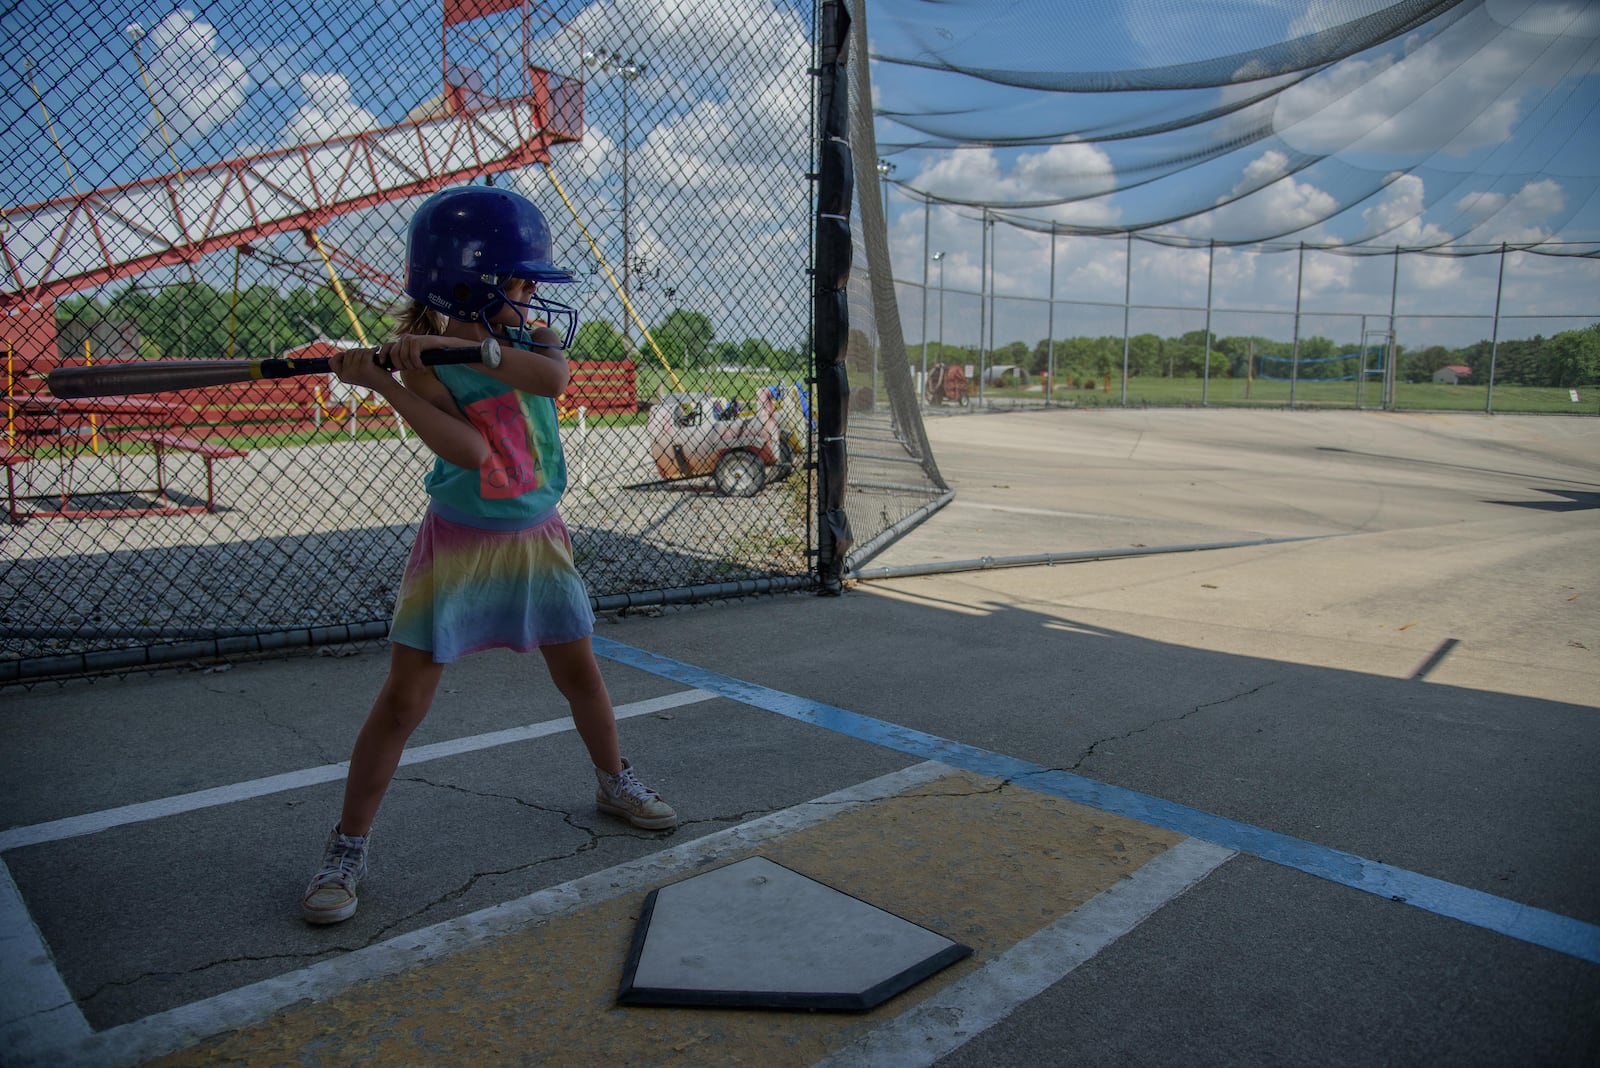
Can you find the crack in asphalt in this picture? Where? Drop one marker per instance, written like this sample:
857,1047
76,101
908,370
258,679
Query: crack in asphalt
1088,753
400,924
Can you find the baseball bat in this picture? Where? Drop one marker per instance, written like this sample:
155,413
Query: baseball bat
163,376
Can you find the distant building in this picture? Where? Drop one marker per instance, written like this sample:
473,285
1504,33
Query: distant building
1005,374
108,340
1452,375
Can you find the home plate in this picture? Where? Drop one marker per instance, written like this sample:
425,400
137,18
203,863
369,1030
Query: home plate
754,934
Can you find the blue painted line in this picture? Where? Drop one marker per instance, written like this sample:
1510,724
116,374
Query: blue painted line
1536,926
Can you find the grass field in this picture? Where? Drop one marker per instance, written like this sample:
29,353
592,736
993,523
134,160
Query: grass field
1152,392
1417,396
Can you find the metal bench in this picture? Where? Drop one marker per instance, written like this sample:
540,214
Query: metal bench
209,451
11,459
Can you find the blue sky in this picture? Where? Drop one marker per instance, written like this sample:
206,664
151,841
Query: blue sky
1485,130
718,138
1481,131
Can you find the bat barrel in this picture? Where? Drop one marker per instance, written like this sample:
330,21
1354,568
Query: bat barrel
165,376
155,376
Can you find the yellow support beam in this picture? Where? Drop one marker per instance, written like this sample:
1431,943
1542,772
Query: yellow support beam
606,267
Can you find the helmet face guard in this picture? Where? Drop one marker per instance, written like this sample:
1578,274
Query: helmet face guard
465,243
536,310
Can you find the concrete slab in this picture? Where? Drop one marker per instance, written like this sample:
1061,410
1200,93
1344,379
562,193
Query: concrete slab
997,864
1412,696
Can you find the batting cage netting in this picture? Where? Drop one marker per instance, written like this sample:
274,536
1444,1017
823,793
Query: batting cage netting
795,236
232,180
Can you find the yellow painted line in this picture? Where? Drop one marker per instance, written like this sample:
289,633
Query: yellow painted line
977,860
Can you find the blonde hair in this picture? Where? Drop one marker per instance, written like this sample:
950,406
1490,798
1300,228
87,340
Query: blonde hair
417,318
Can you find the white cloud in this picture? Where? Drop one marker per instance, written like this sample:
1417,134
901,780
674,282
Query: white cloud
1068,170
1396,217
193,86
328,112
1396,214
1516,219
1283,205
1462,90
981,174
715,144
1576,17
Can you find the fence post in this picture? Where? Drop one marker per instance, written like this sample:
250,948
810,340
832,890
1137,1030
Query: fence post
1050,324
1494,343
831,308
1205,372
1127,306
927,203
1390,369
1294,351
983,297
994,269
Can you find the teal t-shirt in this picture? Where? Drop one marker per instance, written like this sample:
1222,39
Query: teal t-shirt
525,475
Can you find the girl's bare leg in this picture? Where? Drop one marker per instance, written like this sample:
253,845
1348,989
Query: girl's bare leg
576,674
401,704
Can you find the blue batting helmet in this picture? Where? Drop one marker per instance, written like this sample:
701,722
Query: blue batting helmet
465,243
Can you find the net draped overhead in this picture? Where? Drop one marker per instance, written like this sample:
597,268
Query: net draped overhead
1426,123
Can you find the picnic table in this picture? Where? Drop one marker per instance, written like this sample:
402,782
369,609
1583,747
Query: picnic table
69,426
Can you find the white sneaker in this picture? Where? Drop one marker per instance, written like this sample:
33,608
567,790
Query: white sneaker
623,795
331,895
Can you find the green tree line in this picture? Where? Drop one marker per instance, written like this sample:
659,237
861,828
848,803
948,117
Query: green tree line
1570,358
686,339
195,320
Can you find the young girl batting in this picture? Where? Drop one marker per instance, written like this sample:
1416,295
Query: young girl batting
492,563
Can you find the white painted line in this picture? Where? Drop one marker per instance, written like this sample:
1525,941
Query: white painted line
37,1011
952,1017
166,1032
94,822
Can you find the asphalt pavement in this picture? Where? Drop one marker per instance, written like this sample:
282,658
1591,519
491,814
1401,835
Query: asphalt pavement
1287,755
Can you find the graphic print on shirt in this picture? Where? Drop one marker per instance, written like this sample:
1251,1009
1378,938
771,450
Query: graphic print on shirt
513,467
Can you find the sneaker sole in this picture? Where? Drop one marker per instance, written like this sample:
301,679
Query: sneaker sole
322,917
658,823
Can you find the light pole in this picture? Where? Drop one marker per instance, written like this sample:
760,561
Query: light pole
885,168
135,34
629,68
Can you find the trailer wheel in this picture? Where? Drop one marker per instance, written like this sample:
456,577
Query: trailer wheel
740,473
785,465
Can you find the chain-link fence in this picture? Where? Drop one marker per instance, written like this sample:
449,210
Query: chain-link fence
232,180
1035,315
